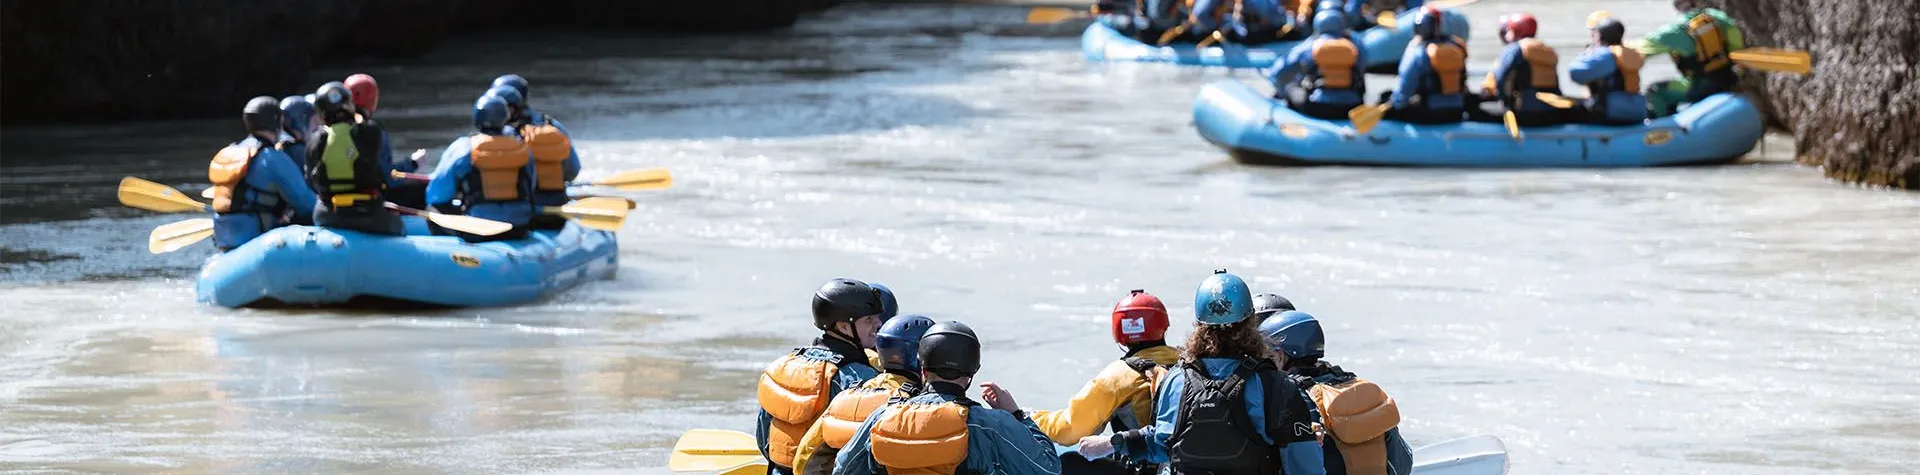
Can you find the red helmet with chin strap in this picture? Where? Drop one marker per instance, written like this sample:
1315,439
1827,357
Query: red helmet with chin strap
1520,25
1139,317
366,92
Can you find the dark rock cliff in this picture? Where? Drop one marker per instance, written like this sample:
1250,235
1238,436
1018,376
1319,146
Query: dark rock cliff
102,60
1858,114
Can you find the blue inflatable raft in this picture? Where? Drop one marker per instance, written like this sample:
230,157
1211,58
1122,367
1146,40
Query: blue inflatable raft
1383,47
303,265
1259,130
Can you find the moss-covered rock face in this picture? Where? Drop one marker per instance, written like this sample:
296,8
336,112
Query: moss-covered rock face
102,60
1858,114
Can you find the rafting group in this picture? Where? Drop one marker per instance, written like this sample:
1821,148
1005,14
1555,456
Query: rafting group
1250,393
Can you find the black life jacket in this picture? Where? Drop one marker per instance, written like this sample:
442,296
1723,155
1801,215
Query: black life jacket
1214,435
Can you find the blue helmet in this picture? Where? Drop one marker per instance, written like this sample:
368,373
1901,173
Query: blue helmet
295,114
898,342
889,306
490,114
1222,299
519,84
1295,334
1429,23
508,94
1330,22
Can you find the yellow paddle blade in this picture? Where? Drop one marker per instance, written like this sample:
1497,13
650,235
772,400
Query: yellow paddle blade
1216,37
1172,33
1045,15
150,196
1365,117
1513,125
755,468
635,180
1555,100
465,224
1387,19
1774,59
709,450
177,235
207,193
600,212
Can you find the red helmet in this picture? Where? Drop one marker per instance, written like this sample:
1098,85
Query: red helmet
366,93
1520,25
1139,317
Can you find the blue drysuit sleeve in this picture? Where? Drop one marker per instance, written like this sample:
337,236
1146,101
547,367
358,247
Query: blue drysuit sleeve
1149,444
1509,60
856,458
1593,65
286,179
1399,453
1413,67
1291,67
1203,22
454,166
999,443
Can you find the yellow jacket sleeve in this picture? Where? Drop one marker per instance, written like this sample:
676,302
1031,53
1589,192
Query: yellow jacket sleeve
1093,406
808,444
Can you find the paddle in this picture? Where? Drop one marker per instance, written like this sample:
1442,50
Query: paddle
754,468
1173,33
1387,19
465,224
1046,15
1513,124
1216,37
630,180
711,449
150,196
1554,100
174,236
1476,455
1774,59
604,213
1365,117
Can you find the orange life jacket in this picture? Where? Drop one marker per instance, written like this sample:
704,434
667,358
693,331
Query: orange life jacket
850,409
921,439
794,390
550,151
1542,64
1358,414
1334,59
1709,46
228,173
1626,71
499,165
1449,64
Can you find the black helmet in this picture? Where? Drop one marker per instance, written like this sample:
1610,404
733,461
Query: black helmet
951,350
332,99
1265,305
843,300
261,115
1611,31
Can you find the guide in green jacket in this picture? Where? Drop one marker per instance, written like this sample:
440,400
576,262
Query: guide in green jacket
1700,42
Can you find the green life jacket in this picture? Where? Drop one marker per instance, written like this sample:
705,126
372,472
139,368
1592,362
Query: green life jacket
340,158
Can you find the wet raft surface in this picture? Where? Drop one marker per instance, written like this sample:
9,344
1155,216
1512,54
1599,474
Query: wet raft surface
1745,319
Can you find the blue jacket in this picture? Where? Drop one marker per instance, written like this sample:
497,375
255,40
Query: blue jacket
455,166
848,377
1511,62
1415,74
1595,69
1299,62
1256,16
1299,447
997,443
1164,14
275,175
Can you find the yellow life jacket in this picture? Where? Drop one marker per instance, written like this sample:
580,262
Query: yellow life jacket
850,409
1626,71
1358,414
794,390
499,163
550,151
1709,45
1542,64
227,172
921,439
1449,64
1334,58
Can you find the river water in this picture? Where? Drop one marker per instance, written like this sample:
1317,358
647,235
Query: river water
1752,318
